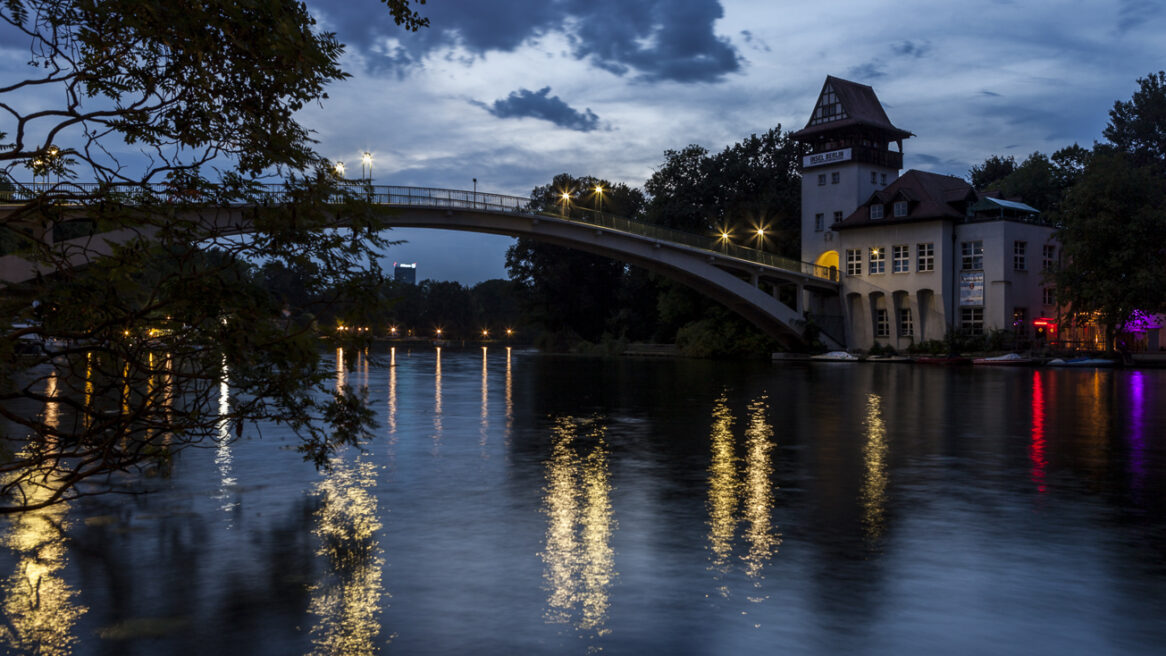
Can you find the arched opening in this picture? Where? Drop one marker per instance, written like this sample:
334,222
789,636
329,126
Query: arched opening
829,259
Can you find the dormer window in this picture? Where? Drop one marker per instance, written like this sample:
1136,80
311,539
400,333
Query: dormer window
876,211
900,208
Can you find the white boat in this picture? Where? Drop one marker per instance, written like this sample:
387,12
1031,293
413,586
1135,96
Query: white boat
1082,362
835,356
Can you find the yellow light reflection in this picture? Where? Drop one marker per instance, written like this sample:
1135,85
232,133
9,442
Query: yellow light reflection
723,489
758,506
40,610
346,601
509,396
874,487
341,374
88,389
579,562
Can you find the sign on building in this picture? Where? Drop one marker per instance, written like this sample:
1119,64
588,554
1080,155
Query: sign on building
971,288
821,159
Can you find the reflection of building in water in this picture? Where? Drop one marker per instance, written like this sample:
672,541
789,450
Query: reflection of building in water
223,455
392,421
874,487
347,599
437,397
579,563
485,403
751,491
1036,449
40,610
1137,432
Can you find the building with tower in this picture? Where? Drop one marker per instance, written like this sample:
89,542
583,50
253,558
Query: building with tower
922,254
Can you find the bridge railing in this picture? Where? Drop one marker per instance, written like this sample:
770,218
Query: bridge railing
431,197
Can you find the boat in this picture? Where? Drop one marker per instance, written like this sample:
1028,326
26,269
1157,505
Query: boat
1009,359
1082,362
835,356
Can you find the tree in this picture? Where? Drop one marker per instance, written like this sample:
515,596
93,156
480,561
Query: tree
993,169
569,293
1113,222
112,358
1138,126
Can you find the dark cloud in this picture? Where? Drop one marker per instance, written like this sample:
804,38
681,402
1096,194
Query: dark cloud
653,39
525,103
991,94
755,42
911,48
868,71
1133,13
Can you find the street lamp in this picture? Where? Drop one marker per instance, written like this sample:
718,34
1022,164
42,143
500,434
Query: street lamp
340,169
366,163
599,195
565,197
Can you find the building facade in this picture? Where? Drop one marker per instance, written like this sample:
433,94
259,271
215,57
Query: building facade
405,273
921,254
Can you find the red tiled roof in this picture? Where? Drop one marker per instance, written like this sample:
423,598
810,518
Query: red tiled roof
862,109
929,196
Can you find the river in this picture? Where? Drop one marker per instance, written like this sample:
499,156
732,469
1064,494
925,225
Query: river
520,503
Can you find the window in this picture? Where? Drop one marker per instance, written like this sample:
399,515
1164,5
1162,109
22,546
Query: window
900,208
821,179
900,259
837,216
876,211
1048,257
874,179
925,256
1048,296
883,179
882,323
1018,249
819,222
972,320
906,323
835,177
853,262
973,255
829,107
877,260
1019,321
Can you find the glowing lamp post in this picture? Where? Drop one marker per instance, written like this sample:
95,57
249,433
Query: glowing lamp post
339,168
599,198
366,165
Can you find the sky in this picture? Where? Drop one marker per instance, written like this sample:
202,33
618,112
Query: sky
513,92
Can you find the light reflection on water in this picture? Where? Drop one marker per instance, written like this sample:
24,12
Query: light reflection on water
40,609
579,564
635,506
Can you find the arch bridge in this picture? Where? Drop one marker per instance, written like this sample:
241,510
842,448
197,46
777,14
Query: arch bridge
775,293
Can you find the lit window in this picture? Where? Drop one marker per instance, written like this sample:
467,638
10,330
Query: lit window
900,259
973,255
835,177
1018,250
877,259
925,256
854,262
882,323
819,222
972,320
900,208
876,211
906,323
821,179
1048,257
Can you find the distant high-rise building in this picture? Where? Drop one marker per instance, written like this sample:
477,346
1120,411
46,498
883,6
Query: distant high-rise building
405,273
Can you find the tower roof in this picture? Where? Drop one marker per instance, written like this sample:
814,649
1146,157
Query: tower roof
846,104
929,196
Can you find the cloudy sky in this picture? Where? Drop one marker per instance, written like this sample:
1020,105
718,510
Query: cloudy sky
512,92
